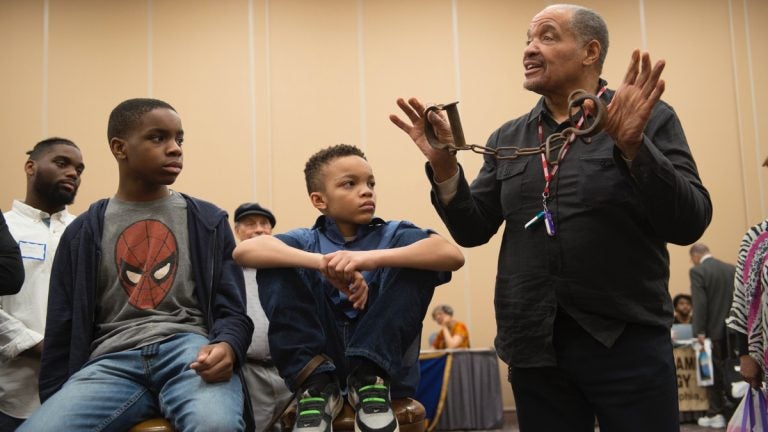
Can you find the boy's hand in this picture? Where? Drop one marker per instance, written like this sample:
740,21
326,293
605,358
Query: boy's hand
214,362
343,264
344,267
355,288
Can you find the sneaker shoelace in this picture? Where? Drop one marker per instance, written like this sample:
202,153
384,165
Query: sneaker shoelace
374,398
311,411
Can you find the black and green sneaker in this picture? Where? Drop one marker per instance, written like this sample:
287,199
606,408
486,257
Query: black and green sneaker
373,408
317,409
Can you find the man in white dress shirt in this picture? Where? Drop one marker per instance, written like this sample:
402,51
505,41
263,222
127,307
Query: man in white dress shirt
53,172
266,388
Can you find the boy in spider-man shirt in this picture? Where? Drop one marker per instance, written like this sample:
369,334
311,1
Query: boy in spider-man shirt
148,315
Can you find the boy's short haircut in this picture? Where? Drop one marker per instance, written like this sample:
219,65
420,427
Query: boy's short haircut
318,160
128,113
45,144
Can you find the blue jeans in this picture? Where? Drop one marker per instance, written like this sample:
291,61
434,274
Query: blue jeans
304,322
115,391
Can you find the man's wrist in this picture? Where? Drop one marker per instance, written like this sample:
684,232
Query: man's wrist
629,150
444,171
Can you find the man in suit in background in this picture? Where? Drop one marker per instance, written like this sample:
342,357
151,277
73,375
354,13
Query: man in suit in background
712,292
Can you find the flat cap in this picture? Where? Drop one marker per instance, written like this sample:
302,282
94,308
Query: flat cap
254,209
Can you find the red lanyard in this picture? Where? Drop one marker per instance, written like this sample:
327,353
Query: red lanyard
549,175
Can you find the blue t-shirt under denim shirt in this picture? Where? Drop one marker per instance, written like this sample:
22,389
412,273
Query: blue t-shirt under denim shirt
324,237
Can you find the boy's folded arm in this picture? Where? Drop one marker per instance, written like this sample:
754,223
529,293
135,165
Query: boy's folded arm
270,252
432,253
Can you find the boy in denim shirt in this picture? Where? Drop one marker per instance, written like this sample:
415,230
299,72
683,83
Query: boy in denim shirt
353,288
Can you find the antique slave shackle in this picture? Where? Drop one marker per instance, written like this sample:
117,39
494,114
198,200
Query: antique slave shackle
554,142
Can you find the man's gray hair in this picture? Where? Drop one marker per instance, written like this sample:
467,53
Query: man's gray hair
699,249
588,25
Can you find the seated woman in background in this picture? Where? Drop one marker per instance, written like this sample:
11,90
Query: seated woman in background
453,333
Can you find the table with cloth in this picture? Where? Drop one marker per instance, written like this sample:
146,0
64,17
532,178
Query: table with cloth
461,389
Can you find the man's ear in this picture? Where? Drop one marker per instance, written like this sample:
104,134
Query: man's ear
30,167
318,200
592,52
117,147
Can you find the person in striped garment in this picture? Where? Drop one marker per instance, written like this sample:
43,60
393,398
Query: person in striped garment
747,316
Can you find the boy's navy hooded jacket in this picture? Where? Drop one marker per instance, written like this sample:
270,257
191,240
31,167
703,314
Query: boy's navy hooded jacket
69,328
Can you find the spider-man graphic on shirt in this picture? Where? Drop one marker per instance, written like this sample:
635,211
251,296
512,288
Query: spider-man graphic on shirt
146,254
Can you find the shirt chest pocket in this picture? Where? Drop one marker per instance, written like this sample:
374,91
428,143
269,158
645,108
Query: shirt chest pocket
511,178
602,182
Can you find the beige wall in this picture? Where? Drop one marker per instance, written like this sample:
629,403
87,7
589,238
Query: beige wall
260,85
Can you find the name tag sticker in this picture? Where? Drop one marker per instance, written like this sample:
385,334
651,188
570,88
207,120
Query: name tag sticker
31,250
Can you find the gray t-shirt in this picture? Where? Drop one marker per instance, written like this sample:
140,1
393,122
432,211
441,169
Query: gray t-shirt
146,291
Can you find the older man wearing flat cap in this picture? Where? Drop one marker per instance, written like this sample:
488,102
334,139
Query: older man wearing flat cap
251,220
267,390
